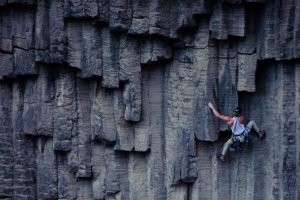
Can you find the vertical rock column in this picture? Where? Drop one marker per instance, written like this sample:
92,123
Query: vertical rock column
22,33
227,69
66,179
46,94
154,85
103,126
236,20
25,168
103,11
42,33
297,115
110,59
47,173
23,27
65,137
125,130
138,176
277,138
84,189
123,101
130,71
204,186
6,65
6,30
74,41
99,170
49,33
227,19
280,124
140,18
142,130
116,176
159,17
266,37
206,82
122,172
83,128
288,120
24,62
57,31
120,13
179,118
64,110
285,37
154,49
218,21
247,57
180,16
92,59
47,163
246,69
112,185
271,97
6,143
296,30
83,42
30,107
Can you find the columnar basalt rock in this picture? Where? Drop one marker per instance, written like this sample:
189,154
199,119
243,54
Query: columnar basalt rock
45,97
47,173
24,168
64,110
7,143
107,99
83,123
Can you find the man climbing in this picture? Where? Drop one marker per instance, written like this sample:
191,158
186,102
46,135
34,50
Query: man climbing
236,123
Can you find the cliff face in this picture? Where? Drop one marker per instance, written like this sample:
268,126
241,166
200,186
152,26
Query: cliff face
107,99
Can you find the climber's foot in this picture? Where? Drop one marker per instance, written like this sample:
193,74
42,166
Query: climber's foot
221,157
262,135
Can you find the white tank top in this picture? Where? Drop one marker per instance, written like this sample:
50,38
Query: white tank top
237,128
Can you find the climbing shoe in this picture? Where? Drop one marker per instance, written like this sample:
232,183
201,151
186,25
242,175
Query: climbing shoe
263,135
219,157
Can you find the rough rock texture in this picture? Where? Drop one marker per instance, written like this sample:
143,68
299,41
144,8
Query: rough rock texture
107,99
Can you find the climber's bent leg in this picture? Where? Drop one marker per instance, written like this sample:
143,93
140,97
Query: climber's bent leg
226,146
253,125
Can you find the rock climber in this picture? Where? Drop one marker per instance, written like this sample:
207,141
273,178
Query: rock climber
239,131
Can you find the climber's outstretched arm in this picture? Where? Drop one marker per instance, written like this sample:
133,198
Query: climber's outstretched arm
217,114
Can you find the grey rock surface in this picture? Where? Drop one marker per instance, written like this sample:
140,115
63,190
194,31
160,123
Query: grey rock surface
107,99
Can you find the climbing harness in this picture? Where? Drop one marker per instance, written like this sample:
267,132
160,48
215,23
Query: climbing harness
241,139
239,145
